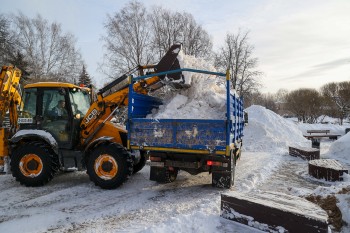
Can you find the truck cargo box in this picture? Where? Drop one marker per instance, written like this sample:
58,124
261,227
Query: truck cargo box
204,138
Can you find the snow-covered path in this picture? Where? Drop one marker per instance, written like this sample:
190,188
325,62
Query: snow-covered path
72,203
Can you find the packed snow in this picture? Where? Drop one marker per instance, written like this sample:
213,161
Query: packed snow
71,203
204,99
340,150
271,132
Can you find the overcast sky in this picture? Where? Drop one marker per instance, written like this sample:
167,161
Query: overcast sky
299,43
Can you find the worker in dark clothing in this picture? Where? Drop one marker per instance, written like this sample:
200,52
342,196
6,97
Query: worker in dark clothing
59,111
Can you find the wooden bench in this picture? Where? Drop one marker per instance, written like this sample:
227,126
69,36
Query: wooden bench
328,169
274,212
304,152
318,131
318,134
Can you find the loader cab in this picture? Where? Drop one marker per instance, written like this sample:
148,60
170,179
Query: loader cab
57,108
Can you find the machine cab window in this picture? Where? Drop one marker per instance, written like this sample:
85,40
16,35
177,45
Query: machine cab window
80,101
56,114
28,109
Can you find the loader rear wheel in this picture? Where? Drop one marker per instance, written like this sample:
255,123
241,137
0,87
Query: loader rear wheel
33,164
109,165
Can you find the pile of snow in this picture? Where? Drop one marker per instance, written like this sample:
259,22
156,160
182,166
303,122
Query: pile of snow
268,131
340,149
204,99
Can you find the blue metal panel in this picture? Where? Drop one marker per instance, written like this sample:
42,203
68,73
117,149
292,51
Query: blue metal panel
142,105
236,113
179,133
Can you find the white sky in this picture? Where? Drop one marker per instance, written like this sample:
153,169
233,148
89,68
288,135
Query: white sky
299,43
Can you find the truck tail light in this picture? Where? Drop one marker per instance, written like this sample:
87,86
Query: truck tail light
214,163
155,159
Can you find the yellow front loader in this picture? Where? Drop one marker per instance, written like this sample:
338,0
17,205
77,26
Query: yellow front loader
10,98
62,128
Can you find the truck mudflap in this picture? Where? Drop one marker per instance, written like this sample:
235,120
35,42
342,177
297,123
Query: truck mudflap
224,177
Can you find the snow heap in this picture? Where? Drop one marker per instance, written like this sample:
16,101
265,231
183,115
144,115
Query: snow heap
339,150
204,99
268,131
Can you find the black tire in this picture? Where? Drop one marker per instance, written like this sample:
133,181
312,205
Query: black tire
109,165
170,175
163,174
138,166
33,164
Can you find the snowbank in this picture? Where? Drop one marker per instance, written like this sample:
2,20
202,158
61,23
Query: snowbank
340,150
268,131
204,99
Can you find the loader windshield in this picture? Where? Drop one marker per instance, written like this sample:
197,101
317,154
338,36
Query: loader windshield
80,100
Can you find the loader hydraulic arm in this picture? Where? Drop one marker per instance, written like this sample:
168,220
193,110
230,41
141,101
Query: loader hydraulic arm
115,94
10,98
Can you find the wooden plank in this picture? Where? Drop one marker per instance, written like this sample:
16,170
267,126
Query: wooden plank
328,169
274,212
318,131
304,152
330,136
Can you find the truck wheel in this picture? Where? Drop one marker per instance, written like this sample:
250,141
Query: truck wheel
170,175
33,164
138,167
163,174
109,166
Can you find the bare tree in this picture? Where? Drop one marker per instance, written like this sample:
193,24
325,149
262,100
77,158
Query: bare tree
172,27
50,53
166,29
128,39
281,95
305,103
137,37
237,56
8,51
263,99
196,41
337,99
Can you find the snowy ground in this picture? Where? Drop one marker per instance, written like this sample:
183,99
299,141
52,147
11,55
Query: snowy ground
71,203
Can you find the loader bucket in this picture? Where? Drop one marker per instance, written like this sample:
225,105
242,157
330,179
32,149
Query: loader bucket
170,62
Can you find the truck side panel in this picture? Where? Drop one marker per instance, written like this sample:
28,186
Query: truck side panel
236,116
178,133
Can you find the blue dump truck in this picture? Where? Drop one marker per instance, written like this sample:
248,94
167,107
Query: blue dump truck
191,145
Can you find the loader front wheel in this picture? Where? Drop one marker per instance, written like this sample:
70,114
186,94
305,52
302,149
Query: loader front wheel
33,164
109,165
